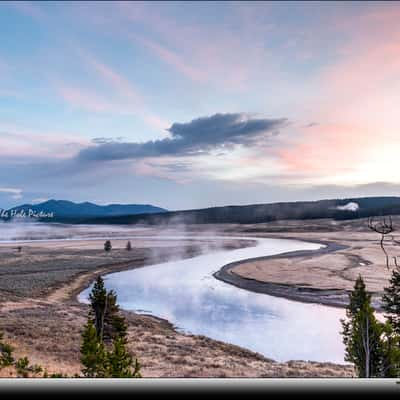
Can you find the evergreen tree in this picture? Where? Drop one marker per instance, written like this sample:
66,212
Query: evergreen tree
114,323
6,357
120,362
391,352
93,355
105,313
128,246
362,334
391,300
391,305
98,303
136,369
106,327
358,297
107,246
24,369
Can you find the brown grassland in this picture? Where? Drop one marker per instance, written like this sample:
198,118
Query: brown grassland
41,317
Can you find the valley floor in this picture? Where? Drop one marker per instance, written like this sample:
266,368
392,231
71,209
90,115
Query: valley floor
41,317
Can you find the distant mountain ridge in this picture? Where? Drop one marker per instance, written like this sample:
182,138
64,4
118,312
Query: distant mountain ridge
70,210
338,209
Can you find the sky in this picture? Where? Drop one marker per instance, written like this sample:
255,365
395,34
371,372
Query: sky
198,104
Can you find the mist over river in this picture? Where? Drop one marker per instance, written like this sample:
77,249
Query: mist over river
186,293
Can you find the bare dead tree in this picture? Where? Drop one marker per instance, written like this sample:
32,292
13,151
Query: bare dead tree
384,227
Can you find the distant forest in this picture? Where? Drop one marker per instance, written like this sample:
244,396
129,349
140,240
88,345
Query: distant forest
338,209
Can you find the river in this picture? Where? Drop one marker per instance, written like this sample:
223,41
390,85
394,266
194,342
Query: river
185,293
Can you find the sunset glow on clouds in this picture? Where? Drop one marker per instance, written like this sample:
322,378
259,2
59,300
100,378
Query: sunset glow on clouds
197,104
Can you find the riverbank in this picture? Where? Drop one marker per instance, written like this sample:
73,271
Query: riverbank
325,276
330,297
163,351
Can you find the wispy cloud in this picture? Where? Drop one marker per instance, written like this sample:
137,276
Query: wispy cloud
122,97
21,143
86,99
173,59
15,194
224,57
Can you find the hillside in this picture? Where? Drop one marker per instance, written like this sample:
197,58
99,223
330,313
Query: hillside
338,209
69,210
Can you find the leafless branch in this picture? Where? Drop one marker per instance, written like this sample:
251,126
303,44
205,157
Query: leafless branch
384,228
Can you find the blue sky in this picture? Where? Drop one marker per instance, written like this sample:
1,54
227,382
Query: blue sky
196,104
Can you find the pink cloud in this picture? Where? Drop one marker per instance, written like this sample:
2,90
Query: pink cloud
173,59
356,101
130,99
18,142
222,56
82,98
368,63
327,149
117,81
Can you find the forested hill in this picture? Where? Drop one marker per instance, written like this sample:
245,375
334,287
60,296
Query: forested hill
339,209
63,209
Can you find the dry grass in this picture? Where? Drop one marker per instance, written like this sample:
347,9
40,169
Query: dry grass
40,316
49,334
333,271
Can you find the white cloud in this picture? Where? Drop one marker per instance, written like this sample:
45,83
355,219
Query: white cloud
39,200
15,193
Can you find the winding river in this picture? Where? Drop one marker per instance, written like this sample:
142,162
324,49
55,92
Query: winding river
185,293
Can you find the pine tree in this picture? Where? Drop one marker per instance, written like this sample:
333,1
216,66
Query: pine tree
114,323
93,355
106,327
391,352
107,246
24,369
98,304
391,300
136,369
6,356
358,297
105,313
128,246
362,334
120,362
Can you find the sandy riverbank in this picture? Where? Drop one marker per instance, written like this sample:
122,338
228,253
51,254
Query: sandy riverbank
240,274
44,320
324,276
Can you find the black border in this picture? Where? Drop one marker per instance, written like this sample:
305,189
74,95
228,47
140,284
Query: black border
200,385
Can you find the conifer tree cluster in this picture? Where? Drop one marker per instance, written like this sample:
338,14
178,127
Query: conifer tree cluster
391,300
372,346
104,339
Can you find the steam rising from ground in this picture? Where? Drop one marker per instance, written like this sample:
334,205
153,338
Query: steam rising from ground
352,206
12,231
185,239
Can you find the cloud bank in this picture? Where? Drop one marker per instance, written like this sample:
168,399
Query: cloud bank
198,136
